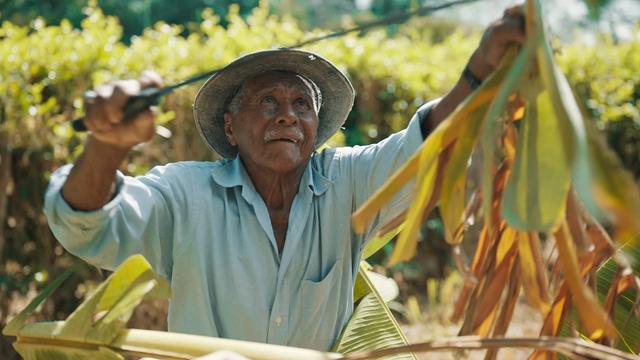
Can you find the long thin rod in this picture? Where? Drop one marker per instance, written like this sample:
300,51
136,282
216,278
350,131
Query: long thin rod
152,97
391,19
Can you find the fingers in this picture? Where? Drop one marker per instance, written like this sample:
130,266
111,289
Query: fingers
502,34
510,30
104,112
128,134
514,21
141,129
515,10
94,116
122,91
105,103
150,79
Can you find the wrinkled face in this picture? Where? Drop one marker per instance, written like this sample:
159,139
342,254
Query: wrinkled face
276,125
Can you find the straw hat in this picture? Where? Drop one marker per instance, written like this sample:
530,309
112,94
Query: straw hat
215,94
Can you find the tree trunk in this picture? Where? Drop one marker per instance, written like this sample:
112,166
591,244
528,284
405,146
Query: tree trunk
5,179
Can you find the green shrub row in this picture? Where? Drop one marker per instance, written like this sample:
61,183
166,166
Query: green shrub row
45,69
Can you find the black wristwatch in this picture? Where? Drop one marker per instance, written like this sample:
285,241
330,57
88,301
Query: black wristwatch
471,79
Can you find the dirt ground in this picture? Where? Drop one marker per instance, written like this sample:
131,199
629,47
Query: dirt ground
526,322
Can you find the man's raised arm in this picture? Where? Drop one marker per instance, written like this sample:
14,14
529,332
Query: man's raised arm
91,183
99,222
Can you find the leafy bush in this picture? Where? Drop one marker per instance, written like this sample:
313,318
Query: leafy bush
607,77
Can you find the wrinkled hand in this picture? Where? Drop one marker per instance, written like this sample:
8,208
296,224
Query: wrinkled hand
497,38
104,115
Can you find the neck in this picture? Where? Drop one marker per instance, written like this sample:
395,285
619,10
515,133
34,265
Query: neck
277,189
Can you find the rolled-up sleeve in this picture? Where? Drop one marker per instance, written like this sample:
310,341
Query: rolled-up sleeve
371,166
139,219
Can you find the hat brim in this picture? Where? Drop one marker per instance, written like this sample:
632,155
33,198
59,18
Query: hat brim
212,98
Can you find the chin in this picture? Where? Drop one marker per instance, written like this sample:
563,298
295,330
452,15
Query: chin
285,162
285,165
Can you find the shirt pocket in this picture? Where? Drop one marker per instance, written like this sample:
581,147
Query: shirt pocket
320,307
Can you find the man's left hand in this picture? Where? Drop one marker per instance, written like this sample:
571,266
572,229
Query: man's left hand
498,37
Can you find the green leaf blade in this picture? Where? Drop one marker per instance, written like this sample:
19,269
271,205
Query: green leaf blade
535,193
14,326
626,321
372,326
58,352
117,296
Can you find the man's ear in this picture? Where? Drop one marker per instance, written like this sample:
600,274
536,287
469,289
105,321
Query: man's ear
228,131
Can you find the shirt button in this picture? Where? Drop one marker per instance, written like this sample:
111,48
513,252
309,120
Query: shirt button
279,321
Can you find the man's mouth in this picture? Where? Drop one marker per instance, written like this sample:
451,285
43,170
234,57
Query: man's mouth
289,138
294,141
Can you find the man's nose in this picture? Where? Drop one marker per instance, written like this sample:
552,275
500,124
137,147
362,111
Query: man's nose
286,115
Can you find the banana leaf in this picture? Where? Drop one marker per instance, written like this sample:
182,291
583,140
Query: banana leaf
372,326
96,329
97,321
625,308
379,241
535,192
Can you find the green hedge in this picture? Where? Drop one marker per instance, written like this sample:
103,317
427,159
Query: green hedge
45,69
606,77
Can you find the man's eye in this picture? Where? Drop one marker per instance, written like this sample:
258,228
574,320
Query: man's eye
301,102
269,99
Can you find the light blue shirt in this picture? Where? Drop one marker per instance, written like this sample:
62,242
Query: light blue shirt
203,226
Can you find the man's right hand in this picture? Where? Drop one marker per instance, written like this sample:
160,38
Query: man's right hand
104,113
91,182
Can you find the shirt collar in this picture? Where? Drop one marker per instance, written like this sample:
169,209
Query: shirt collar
231,173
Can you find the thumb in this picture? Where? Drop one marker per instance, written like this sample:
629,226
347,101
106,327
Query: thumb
149,79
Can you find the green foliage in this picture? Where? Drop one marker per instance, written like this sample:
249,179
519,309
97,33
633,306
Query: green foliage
372,326
48,67
607,77
98,320
134,15
625,304
97,328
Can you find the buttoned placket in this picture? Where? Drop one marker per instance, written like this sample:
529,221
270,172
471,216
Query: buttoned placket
278,330
280,311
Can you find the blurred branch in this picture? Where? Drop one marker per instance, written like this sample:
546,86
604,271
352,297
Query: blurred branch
5,178
572,348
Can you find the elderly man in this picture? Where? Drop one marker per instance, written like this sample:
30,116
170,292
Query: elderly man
257,246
